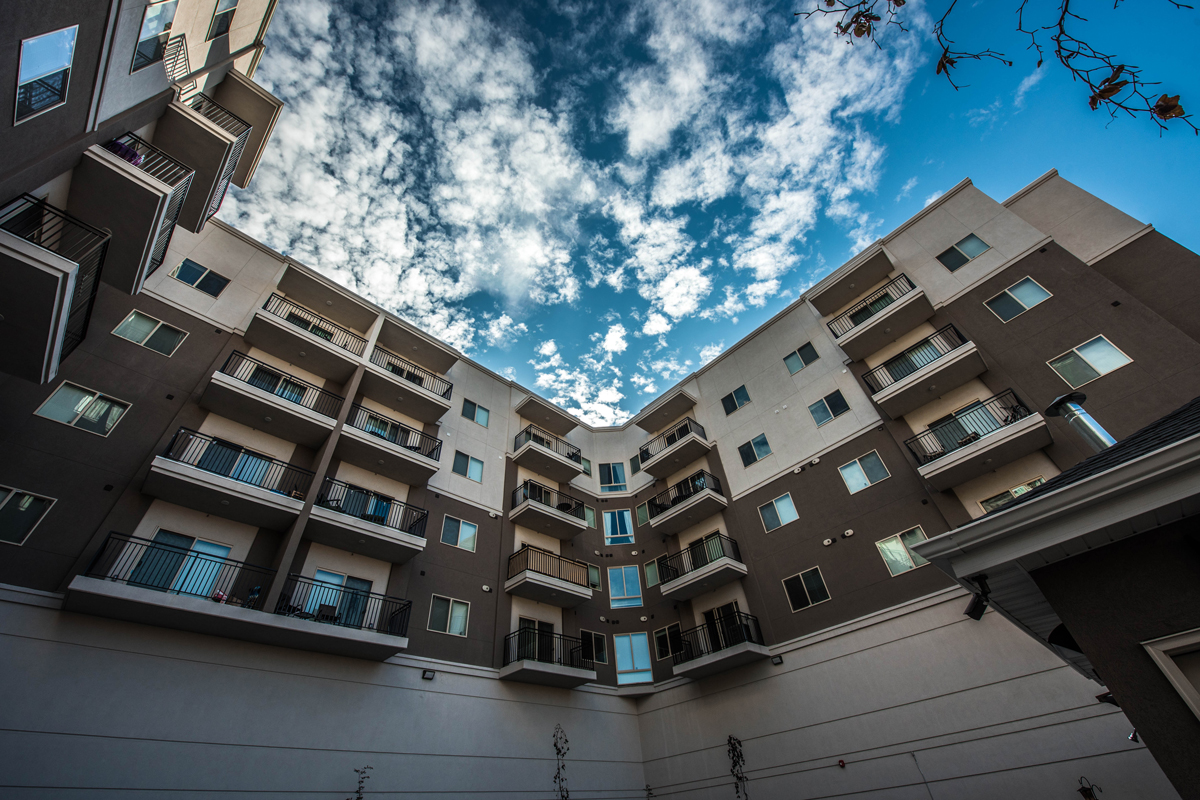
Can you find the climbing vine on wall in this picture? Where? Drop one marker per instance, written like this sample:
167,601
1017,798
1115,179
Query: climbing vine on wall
560,753
737,760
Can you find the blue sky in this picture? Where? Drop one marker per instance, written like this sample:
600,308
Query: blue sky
596,198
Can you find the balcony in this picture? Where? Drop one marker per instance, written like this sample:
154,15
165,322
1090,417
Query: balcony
136,191
547,578
256,394
348,622
551,659
228,480
671,451
937,363
361,521
547,511
408,388
259,108
977,440
384,446
542,452
203,134
866,269
51,264
881,317
688,502
301,337
724,643
705,565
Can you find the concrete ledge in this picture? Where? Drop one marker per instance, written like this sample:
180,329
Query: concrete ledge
545,519
546,589
1001,446
529,671
713,574
907,312
948,372
211,493
360,536
547,463
722,660
701,505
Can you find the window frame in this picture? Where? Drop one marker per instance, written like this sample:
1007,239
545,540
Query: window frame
613,487
733,396
803,364
650,658
9,492
613,597
1006,291
825,400
642,513
475,417
467,474
461,522
213,22
858,462
772,502
754,450
598,586
908,551
1075,350
666,629
657,576
800,575
586,463
133,60
174,273
449,616
955,247
635,465
583,633
95,394
588,511
632,531
17,120
150,335
1039,478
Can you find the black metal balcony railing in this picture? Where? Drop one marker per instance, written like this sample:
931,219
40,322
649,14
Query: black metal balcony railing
698,554
40,223
354,501
664,441
238,463
177,569
533,433
348,607
967,426
544,495
549,564
719,634
871,305
277,382
315,324
410,372
388,429
162,167
921,354
238,127
682,491
546,647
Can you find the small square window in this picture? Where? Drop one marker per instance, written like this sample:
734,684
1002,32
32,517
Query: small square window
801,357
1089,361
778,512
1017,299
475,413
204,279
459,533
468,466
150,333
624,588
754,450
897,551
83,408
592,647
805,589
612,477
20,512
447,615
668,641
735,400
156,30
222,19
964,251
45,72
830,406
618,527
863,472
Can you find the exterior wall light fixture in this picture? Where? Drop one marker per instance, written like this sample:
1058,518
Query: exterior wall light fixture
979,600
427,674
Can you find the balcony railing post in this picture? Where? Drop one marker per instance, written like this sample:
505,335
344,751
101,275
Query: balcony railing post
411,373
692,485
967,427
301,317
388,429
921,354
310,599
542,438
664,441
275,381
870,305
544,495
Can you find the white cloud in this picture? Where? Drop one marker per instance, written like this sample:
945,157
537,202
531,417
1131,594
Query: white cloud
907,188
1026,86
933,197
656,324
757,294
711,351
614,339
645,384
503,332
729,308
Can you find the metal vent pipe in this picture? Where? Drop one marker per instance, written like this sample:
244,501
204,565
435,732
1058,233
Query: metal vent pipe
1070,408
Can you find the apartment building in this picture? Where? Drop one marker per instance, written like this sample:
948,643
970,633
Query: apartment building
249,518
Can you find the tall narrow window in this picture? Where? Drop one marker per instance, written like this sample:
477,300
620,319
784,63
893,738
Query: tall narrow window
863,471
633,658
45,72
806,589
592,647
20,512
1017,299
754,450
964,251
668,641
156,30
589,516
778,512
635,465
467,466
1089,361
84,409
475,412
205,280
447,615
897,551
587,467
150,333
594,577
624,588
830,406
801,357
459,533
643,513
222,19
618,527
735,400
612,477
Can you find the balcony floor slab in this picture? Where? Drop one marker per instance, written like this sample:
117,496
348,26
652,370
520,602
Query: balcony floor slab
546,589
1000,447
547,463
251,406
690,511
398,463
404,396
948,372
712,575
355,535
547,520
529,671
191,487
897,319
297,346
677,456
722,660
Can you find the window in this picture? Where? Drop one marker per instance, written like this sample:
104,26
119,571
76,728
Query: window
594,577
864,471
468,467
1017,299
612,477
643,513
897,554
156,30
45,72
20,512
475,412
1002,499
459,533
806,589
84,409
151,333
633,658
801,357
963,252
755,449
222,18
587,468
1088,361
651,570
778,512
204,279
668,641
618,527
593,646
589,514
830,406
735,400
623,587
447,615
635,465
